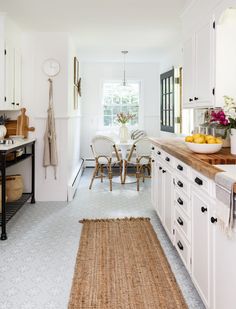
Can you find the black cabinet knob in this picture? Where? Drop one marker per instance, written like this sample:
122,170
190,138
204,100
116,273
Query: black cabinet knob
195,98
160,168
203,209
190,99
180,221
179,244
180,184
153,148
153,160
198,181
180,167
180,201
13,103
167,159
213,220
164,171
159,153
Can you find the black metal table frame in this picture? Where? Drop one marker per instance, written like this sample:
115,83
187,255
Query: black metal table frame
3,166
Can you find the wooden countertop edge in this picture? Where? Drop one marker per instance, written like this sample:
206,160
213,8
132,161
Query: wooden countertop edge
199,165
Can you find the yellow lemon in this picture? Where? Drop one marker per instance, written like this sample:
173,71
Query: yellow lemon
211,141
197,135
189,139
199,140
207,137
218,140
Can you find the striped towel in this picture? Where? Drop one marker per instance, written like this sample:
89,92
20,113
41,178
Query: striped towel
226,206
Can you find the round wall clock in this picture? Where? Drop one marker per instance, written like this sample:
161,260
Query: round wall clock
51,67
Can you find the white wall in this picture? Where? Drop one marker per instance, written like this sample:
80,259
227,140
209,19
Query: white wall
36,48
93,76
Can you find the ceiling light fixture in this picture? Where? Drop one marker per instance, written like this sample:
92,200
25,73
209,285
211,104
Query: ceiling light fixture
124,52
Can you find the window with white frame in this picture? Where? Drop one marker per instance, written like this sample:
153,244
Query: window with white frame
117,99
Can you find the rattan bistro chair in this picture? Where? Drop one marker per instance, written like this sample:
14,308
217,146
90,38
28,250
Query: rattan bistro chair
140,157
106,156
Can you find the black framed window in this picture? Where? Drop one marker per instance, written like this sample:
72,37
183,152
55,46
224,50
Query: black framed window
168,101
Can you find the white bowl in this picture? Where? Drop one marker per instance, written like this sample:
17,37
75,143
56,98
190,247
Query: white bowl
204,148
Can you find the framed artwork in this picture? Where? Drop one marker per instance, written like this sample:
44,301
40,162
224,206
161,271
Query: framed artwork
77,83
76,71
75,97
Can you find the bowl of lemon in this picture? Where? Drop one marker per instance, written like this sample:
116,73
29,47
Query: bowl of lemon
201,143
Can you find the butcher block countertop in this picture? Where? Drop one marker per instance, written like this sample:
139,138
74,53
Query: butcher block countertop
203,163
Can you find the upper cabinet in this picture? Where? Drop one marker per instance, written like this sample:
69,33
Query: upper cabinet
197,68
10,65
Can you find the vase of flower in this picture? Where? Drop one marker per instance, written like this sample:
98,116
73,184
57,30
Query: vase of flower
124,134
123,119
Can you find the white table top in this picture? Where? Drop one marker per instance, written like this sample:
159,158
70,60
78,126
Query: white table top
17,143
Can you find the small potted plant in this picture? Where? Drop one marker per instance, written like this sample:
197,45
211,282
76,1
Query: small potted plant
3,129
123,119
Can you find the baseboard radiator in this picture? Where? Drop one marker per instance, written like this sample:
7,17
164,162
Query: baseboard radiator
74,182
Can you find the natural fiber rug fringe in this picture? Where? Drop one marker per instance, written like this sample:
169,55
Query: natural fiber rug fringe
115,219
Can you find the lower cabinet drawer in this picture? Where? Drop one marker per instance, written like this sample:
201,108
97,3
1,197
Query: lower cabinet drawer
183,223
183,202
183,248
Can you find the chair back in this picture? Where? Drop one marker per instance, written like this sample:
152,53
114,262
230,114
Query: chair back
143,147
102,146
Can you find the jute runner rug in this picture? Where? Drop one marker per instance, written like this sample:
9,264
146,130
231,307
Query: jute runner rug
121,265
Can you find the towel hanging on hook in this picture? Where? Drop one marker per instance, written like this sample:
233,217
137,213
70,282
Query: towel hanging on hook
50,157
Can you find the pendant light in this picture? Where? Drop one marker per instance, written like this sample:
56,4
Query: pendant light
124,52
124,88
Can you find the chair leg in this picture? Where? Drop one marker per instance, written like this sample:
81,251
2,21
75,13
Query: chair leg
101,173
143,172
121,171
110,175
137,176
94,175
125,171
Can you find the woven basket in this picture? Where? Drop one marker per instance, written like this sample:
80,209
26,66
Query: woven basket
14,187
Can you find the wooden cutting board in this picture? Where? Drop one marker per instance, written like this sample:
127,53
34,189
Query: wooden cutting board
23,124
11,127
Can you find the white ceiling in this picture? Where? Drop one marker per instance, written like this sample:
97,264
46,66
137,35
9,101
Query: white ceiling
102,28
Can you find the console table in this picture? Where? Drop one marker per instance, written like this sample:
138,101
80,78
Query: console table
11,208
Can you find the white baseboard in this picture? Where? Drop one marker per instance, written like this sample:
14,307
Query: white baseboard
89,162
74,181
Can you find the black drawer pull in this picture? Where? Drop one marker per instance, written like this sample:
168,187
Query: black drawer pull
180,221
180,245
195,98
198,181
160,168
213,220
167,159
153,160
190,99
164,171
180,167
180,201
180,184
159,153
203,209
153,148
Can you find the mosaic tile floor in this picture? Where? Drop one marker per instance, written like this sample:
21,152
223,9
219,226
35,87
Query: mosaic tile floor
37,261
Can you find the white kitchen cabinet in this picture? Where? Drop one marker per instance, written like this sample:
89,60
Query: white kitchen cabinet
167,200
224,269
188,71
198,67
12,98
160,190
200,245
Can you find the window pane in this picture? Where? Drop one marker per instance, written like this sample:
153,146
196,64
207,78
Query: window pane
107,120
